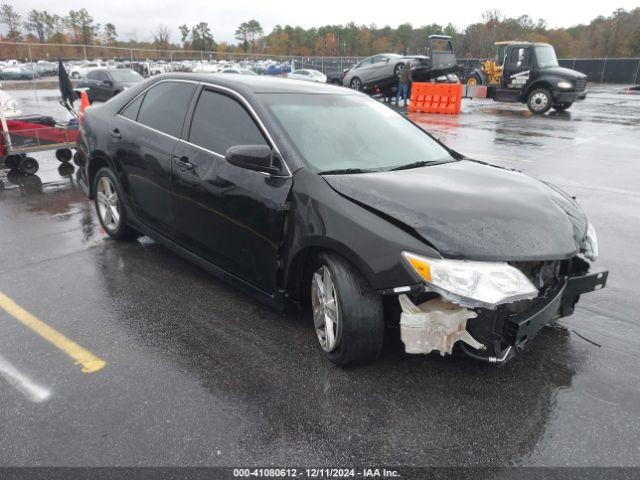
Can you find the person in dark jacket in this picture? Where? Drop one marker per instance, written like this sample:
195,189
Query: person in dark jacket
404,79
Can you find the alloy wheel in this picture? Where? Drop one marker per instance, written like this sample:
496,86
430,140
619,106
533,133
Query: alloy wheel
355,84
108,206
326,311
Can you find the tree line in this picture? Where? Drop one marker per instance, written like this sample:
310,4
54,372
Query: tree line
617,35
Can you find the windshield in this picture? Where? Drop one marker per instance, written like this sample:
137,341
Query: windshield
339,132
546,57
441,45
125,76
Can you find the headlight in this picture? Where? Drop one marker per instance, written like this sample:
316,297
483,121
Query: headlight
565,85
452,77
471,283
590,243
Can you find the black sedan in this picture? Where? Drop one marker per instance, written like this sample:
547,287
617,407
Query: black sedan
318,195
103,83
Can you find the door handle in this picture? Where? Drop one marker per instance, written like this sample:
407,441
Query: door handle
115,133
183,163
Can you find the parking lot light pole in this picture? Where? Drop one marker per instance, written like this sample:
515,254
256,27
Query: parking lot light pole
33,77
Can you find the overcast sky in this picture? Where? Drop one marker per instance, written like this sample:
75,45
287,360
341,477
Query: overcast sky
137,19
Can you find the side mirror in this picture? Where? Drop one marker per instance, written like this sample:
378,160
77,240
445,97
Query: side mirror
252,157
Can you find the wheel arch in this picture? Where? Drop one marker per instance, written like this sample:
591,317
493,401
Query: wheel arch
297,272
480,73
97,161
541,83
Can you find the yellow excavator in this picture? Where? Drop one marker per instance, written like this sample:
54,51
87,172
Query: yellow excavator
490,71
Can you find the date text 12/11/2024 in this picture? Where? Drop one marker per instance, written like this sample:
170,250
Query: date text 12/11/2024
315,473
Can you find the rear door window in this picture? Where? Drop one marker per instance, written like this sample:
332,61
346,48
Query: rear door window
165,106
220,122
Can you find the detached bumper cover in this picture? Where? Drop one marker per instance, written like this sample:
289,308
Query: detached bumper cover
523,327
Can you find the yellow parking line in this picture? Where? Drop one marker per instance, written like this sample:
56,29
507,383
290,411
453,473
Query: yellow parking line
90,363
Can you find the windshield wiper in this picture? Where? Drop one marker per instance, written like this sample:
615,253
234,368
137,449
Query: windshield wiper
422,163
346,171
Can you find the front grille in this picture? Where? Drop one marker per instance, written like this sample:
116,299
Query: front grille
581,84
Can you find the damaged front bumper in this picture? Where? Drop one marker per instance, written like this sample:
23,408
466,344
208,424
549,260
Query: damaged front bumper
493,336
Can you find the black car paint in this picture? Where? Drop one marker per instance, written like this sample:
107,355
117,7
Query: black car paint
461,210
100,91
326,212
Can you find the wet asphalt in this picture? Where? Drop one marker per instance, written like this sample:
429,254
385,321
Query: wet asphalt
197,373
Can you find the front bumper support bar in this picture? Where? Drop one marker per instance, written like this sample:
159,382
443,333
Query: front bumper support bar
522,327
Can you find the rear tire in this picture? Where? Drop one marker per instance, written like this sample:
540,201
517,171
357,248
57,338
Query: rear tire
539,101
28,165
561,107
358,330
111,209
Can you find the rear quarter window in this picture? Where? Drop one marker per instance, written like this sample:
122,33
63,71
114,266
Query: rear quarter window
131,110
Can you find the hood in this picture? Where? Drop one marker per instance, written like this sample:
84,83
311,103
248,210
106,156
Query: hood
473,211
566,73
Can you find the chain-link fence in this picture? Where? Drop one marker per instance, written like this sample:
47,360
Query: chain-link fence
598,70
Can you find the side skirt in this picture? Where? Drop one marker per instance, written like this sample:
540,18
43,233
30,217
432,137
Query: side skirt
275,300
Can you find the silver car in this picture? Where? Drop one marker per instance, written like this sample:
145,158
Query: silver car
378,70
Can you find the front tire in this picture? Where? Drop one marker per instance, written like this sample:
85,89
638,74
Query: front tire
110,206
347,312
539,101
356,84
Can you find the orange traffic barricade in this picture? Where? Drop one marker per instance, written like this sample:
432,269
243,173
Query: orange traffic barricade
429,97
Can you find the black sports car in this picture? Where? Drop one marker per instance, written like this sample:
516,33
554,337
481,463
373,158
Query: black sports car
311,193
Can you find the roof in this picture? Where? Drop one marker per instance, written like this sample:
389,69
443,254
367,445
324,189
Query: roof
522,42
259,84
